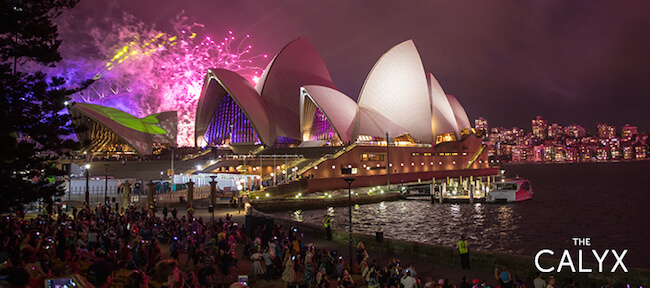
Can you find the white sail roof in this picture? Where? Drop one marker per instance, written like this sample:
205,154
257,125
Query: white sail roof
397,89
442,115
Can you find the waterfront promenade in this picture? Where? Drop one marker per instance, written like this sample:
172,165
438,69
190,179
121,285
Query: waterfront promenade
424,269
314,236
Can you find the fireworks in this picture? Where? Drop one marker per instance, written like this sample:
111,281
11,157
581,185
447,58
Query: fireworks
149,71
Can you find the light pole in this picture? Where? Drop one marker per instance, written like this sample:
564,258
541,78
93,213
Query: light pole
213,191
387,162
172,171
87,166
106,185
349,180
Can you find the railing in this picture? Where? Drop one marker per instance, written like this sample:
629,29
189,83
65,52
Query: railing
97,196
197,155
174,197
325,158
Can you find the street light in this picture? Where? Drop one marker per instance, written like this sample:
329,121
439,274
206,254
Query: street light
87,166
213,188
106,185
349,180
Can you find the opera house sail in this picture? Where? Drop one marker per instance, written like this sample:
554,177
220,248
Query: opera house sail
295,104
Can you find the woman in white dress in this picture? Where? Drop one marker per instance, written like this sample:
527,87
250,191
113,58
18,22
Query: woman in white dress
257,263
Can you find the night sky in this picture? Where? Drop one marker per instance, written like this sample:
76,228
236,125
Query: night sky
570,61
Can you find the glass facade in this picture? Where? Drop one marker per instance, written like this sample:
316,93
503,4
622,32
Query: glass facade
230,125
322,129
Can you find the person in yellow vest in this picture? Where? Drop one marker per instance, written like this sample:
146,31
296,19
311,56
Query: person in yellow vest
464,252
190,212
328,229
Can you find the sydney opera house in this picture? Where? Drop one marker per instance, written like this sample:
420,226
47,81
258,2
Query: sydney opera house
295,105
402,128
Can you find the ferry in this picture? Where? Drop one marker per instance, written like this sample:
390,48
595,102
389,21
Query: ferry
510,190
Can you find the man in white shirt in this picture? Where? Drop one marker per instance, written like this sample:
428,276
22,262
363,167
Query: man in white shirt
539,282
272,247
408,281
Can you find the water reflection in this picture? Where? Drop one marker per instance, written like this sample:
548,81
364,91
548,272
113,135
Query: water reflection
569,200
488,227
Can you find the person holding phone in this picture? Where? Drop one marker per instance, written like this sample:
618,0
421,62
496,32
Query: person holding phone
289,275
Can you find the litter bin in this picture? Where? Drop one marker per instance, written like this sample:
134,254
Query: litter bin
181,199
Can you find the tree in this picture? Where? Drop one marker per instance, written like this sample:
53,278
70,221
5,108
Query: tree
32,123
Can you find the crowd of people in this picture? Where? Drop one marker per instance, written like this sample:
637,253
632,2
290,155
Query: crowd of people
101,248
96,242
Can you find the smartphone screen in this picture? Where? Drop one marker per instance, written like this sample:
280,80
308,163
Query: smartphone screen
60,283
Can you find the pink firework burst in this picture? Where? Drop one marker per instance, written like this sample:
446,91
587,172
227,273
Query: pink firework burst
142,70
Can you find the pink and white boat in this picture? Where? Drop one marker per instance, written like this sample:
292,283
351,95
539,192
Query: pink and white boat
510,190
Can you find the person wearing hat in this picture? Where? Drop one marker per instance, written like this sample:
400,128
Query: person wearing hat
504,278
100,274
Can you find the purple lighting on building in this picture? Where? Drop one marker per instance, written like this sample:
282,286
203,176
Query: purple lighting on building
322,129
230,125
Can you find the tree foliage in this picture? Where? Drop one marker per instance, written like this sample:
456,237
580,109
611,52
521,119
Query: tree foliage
32,123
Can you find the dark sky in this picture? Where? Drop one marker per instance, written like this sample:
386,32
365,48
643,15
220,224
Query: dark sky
571,61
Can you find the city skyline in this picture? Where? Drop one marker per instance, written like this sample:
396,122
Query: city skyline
589,130
556,143
510,61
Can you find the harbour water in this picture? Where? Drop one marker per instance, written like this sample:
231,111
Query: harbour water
607,202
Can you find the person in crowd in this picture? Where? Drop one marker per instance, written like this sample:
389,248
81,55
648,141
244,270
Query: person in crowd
518,283
428,283
347,279
408,281
362,254
268,262
137,279
464,252
100,274
372,279
551,282
446,284
289,275
328,227
166,272
539,282
464,283
257,263
504,278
